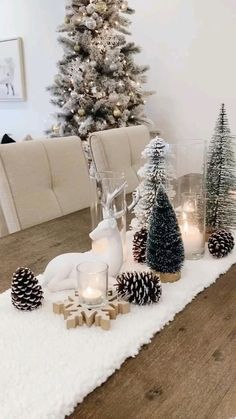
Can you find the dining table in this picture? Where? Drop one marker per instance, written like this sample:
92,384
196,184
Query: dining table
187,371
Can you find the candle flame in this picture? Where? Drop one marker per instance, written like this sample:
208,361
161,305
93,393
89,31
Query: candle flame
188,207
89,291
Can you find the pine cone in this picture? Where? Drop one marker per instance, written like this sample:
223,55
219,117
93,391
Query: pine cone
221,243
139,287
26,293
140,245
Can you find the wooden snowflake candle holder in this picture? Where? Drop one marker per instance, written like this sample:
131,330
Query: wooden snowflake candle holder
76,314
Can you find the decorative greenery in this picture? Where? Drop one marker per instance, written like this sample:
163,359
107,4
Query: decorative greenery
165,250
221,243
98,85
221,177
139,287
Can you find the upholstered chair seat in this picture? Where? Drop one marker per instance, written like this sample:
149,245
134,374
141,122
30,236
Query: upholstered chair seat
41,180
119,150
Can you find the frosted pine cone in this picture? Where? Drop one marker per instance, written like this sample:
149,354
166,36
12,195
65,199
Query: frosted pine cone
139,287
26,293
140,245
221,243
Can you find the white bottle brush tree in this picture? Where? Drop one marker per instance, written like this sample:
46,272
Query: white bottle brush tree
158,170
98,85
221,177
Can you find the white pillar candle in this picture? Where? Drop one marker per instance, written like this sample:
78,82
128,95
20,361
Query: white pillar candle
192,237
91,296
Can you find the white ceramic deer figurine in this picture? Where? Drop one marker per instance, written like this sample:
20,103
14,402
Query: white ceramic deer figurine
60,273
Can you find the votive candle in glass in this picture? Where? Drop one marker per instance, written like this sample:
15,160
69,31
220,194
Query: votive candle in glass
192,225
92,283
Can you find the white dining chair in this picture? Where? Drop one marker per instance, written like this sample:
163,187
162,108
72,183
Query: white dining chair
3,225
41,180
120,150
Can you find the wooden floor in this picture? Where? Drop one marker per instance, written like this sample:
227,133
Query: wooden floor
188,371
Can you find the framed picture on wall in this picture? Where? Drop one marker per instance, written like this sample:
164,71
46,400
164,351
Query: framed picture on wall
12,75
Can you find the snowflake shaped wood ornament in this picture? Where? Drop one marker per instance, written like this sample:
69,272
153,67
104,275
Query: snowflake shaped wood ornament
76,314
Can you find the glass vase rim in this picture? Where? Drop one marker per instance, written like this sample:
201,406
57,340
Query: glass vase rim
187,142
117,174
89,263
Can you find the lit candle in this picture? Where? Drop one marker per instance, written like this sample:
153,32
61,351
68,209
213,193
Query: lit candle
192,237
91,296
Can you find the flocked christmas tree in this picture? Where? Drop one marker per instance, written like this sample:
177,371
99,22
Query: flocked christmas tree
221,177
165,249
98,85
155,172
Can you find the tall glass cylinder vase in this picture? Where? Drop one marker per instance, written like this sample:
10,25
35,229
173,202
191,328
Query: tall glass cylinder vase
186,172
103,184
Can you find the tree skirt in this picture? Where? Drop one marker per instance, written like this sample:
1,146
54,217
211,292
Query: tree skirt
46,370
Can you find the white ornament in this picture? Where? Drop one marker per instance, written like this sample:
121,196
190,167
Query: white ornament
60,273
95,16
90,23
113,97
113,67
90,9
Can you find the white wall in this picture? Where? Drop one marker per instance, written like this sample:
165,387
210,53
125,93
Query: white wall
189,45
35,21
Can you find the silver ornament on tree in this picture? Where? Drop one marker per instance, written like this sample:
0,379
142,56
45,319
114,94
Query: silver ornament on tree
77,48
95,16
117,112
90,9
73,94
113,67
90,23
81,112
77,19
113,97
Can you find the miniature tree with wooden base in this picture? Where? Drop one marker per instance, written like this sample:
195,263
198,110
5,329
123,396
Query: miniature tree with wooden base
165,250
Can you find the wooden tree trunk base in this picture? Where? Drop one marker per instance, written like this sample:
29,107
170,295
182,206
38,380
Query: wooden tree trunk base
168,277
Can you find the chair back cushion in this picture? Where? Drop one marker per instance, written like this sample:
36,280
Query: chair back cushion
42,180
120,149
3,225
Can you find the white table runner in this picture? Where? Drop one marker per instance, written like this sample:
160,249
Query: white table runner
46,370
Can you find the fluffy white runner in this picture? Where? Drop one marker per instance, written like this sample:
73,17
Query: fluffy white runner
46,370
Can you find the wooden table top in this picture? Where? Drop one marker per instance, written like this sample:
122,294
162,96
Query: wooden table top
188,371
